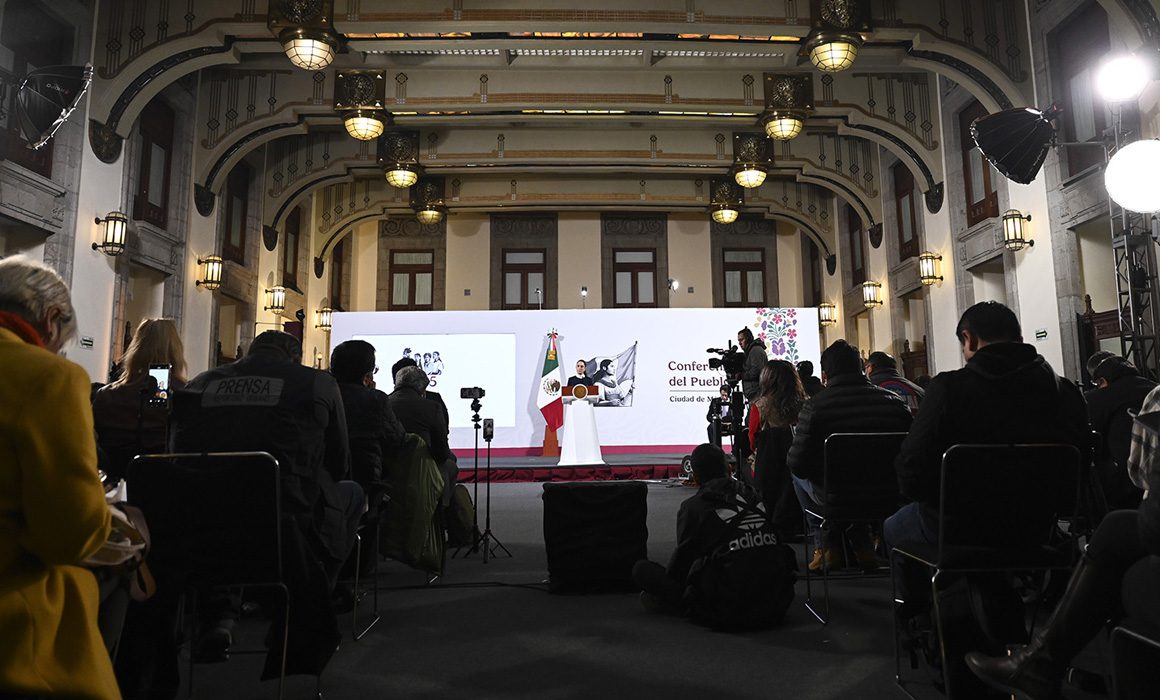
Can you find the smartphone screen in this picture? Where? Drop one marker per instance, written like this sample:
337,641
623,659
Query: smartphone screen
160,373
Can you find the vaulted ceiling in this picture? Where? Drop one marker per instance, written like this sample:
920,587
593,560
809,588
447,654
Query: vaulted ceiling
587,104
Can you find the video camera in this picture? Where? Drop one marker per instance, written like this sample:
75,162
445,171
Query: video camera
731,360
472,392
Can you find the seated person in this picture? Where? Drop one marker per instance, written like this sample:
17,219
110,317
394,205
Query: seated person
1117,578
810,383
1119,394
720,407
850,404
371,425
306,433
423,418
581,375
128,423
699,529
430,395
882,370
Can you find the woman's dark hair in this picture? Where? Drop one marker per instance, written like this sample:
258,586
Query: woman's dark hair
782,394
352,360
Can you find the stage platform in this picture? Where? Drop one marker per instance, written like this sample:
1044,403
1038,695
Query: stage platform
640,466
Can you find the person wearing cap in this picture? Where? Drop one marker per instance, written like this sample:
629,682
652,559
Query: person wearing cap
1119,394
882,371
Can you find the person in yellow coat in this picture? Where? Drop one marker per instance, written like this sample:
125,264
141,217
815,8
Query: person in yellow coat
52,507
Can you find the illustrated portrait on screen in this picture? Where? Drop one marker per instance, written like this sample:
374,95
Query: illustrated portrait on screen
616,375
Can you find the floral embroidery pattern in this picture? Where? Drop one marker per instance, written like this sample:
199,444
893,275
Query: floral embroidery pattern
777,328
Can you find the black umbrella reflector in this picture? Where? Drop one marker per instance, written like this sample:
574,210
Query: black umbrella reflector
46,98
1016,140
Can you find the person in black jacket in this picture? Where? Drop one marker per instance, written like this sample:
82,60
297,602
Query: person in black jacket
581,375
1119,389
429,395
371,425
850,404
422,417
1006,394
699,529
1117,578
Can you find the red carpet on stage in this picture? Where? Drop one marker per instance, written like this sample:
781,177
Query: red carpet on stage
597,473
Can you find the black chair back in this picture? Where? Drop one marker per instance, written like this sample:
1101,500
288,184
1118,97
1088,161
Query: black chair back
215,519
860,481
1006,497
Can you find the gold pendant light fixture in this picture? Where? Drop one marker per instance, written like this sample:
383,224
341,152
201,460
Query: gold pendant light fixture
427,199
398,156
305,30
726,199
789,99
839,30
752,158
360,96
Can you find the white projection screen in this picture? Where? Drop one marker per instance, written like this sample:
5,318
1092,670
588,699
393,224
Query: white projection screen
652,363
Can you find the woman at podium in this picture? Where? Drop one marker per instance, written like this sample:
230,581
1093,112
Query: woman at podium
581,375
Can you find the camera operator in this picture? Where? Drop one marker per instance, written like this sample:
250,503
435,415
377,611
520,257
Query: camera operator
755,358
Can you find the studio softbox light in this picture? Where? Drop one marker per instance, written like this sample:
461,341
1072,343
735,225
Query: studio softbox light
46,98
1016,140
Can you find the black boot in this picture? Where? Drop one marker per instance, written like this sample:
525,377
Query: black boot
1035,671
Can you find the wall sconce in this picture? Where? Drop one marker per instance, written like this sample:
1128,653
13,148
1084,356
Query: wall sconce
322,318
1014,232
674,284
360,97
276,300
398,156
839,30
427,200
871,294
214,269
752,159
113,238
827,314
789,98
726,198
928,268
305,32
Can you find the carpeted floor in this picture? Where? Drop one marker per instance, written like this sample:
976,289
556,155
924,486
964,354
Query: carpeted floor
491,631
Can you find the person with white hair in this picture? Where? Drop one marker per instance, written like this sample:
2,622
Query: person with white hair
425,419
53,513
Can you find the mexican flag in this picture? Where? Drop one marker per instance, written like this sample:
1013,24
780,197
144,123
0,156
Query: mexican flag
549,400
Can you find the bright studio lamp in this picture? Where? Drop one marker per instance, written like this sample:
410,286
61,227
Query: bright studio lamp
1123,78
1016,141
1129,176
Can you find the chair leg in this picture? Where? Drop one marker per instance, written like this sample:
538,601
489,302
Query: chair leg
191,639
355,632
822,617
285,639
938,626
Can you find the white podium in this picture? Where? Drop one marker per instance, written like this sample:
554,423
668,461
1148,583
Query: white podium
581,444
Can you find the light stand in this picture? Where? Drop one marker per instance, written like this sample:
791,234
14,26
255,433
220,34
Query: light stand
475,535
488,537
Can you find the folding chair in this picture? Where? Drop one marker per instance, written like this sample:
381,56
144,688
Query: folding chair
859,485
999,506
1135,661
216,522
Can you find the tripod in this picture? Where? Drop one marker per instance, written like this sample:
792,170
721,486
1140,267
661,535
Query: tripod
487,539
475,535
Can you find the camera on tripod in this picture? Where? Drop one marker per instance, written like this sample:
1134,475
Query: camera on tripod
731,359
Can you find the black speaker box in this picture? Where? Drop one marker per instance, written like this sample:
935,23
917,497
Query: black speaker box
594,533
